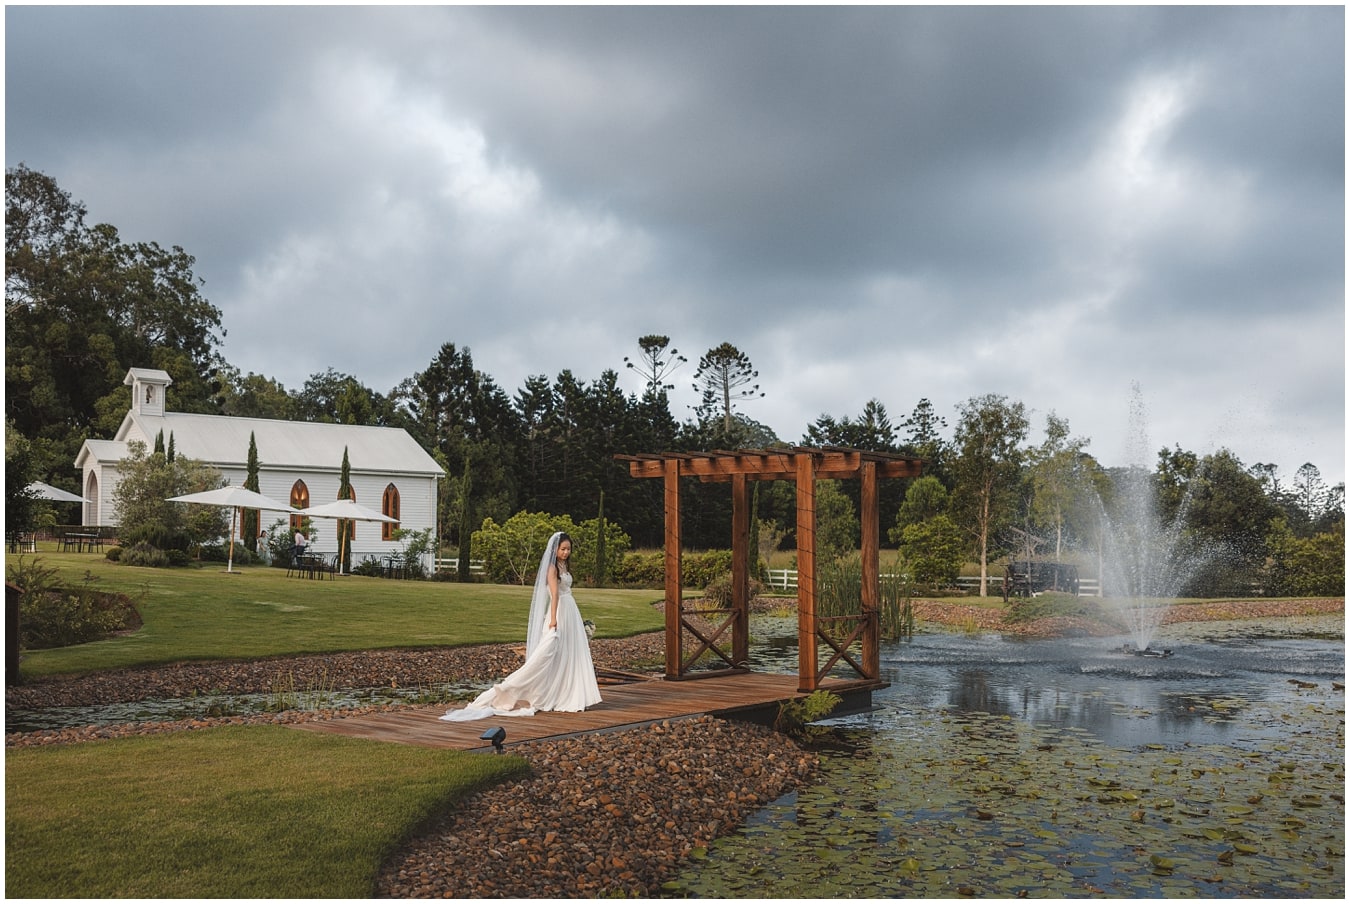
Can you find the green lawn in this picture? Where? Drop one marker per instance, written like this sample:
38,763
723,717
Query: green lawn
257,612
257,811
237,812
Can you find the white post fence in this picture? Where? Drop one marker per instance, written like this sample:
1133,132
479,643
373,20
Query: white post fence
451,563
785,579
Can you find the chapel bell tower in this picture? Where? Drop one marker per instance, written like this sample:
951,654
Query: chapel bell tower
148,388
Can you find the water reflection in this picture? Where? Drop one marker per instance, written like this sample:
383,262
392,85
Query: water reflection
1089,683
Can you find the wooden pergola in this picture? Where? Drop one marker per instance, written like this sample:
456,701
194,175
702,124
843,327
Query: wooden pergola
804,465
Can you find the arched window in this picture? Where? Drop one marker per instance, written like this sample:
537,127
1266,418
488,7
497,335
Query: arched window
300,500
389,507
91,509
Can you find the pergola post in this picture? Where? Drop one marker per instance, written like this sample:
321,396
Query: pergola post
806,572
871,572
674,577
740,568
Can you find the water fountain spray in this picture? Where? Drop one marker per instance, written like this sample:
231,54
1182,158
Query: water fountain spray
1146,560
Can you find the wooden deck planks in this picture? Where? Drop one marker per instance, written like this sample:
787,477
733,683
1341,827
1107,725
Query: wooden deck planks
623,706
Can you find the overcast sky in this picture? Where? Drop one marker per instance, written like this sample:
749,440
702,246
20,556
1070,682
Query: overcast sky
1049,204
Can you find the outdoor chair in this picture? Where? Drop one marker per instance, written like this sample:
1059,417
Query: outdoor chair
302,563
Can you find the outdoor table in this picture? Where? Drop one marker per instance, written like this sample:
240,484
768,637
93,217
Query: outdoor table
307,564
80,541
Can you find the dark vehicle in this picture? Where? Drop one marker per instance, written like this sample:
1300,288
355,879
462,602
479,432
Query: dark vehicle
1030,578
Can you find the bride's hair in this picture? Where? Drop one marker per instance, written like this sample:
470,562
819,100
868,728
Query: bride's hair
561,566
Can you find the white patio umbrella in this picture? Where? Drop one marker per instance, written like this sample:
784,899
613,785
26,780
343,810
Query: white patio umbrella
236,498
346,510
54,494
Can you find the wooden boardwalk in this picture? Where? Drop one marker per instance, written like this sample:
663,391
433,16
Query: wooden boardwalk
624,706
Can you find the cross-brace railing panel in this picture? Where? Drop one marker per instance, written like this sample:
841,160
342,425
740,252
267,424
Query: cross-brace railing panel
841,648
708,642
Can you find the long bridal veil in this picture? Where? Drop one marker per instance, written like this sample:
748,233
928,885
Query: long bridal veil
539,602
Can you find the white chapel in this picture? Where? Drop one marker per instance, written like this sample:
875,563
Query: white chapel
299,463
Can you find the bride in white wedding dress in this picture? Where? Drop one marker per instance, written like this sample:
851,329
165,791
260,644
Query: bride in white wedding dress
558,674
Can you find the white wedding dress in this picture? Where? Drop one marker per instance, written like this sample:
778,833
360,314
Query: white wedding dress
557,676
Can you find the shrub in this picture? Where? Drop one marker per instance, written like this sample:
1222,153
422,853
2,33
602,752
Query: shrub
369,567
703,568
156,535
935,550
648,569
644,569
220,552
51,615
413,549
279,541
145,556
114,554
511,551
719,591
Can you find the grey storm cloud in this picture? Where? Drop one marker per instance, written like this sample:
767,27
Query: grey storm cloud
1049,203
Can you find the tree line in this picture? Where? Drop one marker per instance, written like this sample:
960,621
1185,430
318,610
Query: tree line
82,306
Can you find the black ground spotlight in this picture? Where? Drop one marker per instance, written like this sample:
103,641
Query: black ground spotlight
496,735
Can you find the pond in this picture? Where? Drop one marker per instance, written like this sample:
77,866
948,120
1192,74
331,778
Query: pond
203,706
999,767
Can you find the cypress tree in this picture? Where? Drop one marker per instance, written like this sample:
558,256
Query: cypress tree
346,529
250,519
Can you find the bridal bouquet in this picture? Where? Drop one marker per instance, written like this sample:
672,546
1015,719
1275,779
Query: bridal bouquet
590,628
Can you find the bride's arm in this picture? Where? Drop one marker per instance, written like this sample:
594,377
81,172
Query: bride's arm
553,597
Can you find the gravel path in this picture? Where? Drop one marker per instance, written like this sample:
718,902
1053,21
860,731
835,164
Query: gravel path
606,815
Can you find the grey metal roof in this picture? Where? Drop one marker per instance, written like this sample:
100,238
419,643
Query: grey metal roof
103,450
148,375
221,440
